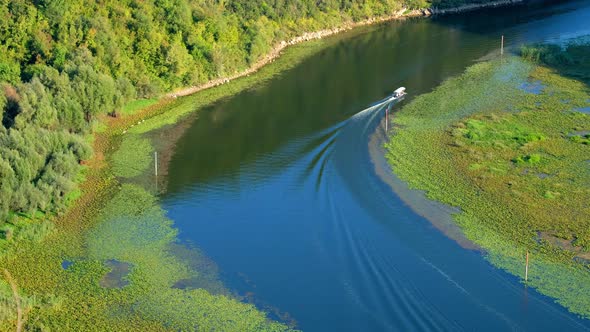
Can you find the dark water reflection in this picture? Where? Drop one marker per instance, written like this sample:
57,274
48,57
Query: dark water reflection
277,186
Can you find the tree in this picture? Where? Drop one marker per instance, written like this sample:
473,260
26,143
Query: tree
63,62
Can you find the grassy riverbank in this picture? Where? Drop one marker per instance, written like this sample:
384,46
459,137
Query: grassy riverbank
112,261
507,143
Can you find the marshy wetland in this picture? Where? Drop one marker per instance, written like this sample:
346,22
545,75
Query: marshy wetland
270,214
515,161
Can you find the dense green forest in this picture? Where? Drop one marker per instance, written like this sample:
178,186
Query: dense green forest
64,62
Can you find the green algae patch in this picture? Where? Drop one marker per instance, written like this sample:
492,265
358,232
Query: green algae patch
507,159
133,156
135,230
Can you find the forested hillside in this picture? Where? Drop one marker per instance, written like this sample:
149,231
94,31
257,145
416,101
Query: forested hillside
63,62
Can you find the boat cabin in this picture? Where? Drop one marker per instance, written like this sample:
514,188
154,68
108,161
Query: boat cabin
399,92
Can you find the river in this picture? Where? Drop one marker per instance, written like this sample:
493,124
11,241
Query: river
285,187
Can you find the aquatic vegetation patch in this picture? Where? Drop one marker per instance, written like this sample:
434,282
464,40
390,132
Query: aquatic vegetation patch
207,276
572,59
500,131
532,87
133,156
504,156
581,137
530,159
136,231
116,278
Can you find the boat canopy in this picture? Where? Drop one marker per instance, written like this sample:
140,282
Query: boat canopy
400,91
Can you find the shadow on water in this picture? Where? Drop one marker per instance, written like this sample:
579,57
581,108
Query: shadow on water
208,272
280,186
558,16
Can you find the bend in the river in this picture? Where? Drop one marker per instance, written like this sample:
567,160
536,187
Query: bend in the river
283,187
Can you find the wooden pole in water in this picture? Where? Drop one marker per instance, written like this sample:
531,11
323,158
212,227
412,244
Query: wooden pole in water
502,47
526,269
156,163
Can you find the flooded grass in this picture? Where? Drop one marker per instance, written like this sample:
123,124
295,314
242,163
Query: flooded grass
502,154
133,157
532,87
66,264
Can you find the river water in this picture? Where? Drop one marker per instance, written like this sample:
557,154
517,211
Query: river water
285,187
